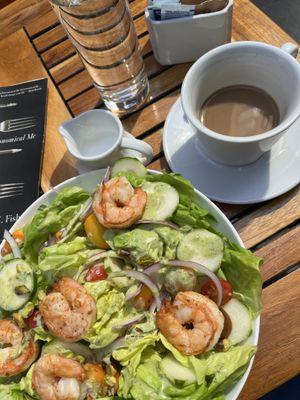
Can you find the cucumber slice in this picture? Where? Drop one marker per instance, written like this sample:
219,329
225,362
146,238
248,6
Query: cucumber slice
162,200
129,164
175,371
16,284
203,247
240,321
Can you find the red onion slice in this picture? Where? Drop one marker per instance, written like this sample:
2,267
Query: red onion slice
13,244
154,268
50,242
165,223
102,254
192,265
116,344
152,308
129,322
87,211
145,279
107,174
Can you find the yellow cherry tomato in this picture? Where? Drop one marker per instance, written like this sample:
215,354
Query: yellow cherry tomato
143,300
58,235
95,373
95,231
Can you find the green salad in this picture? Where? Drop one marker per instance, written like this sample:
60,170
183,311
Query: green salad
129,292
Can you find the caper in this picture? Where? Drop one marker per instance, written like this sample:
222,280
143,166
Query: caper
22,289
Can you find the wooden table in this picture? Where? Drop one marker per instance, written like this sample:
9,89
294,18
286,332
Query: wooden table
35,45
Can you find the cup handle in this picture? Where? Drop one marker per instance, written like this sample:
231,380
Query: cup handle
291,48
140,146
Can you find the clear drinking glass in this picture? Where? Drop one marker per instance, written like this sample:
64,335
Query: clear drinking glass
103,33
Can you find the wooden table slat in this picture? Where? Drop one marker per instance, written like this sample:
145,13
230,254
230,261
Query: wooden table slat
269,218
85,101
250,23
280,253
50,38
39,25
18,13
137,7
278,357
58,53
75,85
145,45
67,68
155,140
151,116
159,164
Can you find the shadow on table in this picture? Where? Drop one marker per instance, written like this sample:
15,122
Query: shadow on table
65,169
288,391
286,13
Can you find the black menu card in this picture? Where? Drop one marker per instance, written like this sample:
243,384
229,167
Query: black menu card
22,127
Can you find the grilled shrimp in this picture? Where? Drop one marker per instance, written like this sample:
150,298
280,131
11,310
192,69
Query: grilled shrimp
193,323
68,311
58,378
17,350
117,204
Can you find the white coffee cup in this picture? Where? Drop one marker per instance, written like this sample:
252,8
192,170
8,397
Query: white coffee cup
255,64
96,139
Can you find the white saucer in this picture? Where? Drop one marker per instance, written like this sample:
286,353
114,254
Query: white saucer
273,174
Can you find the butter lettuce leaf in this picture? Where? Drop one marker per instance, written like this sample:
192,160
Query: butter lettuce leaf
62,259
39,333
144,245
11,392
215,371
22,390
151,383
242,269
112,310
50,219
170,238
221,370
26,384
130,358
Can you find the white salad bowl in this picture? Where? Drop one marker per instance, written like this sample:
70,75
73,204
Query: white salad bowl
89,182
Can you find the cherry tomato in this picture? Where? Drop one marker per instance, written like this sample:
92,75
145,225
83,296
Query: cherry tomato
96,273
18,235
209,289
95,231
32,320
143,300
